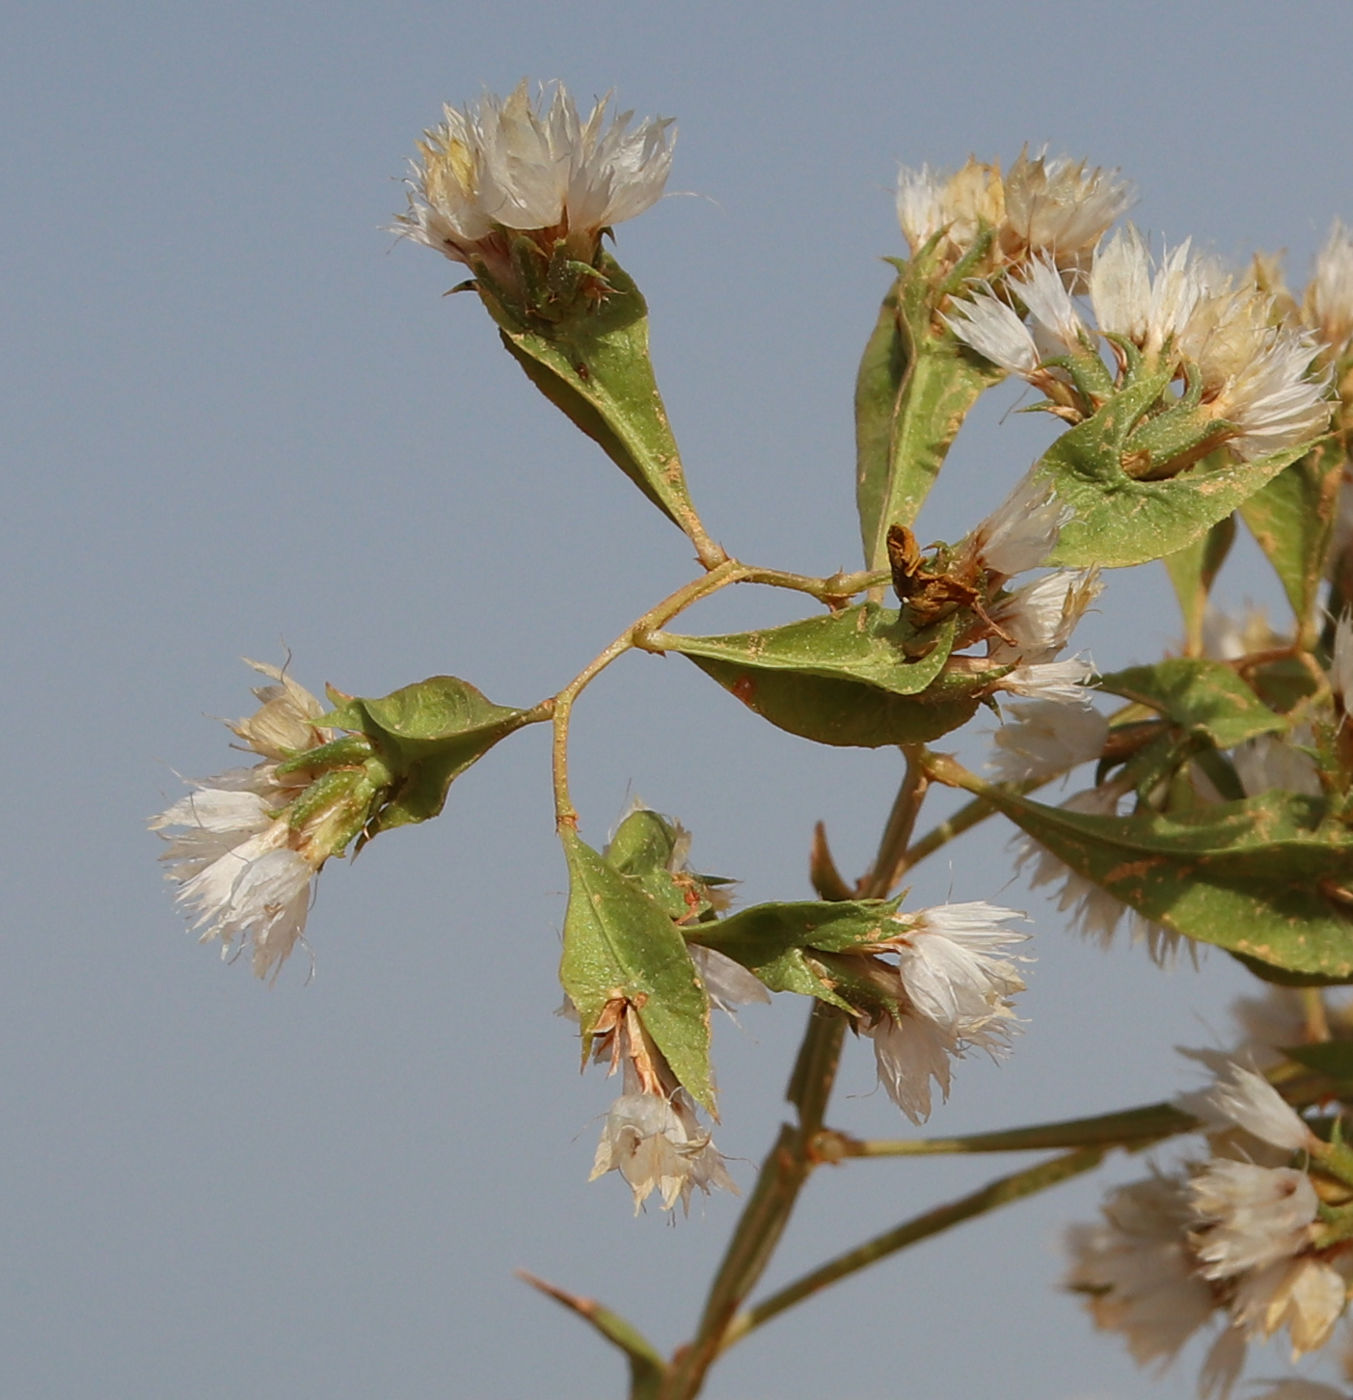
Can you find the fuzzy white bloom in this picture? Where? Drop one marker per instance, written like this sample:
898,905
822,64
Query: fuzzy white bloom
1253,375
1331,290
506,163
1046,738
1137,1271
1250,1216
1267,762
992,328
956,979
1058,325
1059,206
727,983
1341,664
1095,913
1040,617
244,875
1147,303
1056,682
1305,1295
1262,384
1022,531
1242,1098
657,1144
1056,207
959,204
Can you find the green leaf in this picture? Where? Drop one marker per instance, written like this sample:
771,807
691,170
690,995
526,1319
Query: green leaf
1333,1058
1204,697
1119,520
777,941
646,1365
1193,570
596,369
861,677
1292,519
649,850
1248,876
619,944
915,386
428,734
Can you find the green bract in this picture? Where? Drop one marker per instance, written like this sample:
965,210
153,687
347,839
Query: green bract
1118,519
427,734
618,943
861,677
915,385
596,369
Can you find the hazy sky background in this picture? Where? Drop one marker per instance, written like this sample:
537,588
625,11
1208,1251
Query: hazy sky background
242,421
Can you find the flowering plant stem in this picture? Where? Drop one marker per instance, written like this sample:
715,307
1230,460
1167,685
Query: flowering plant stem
835,591
794,1154
1003,1191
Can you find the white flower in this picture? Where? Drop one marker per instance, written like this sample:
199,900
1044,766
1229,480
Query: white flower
1242,1098
1147,304
1267,762
1305,1295
993,328
1250,1216
1056,682
960,204
727,983
508,164
1095,913
955,980
1058,206
239,878
1047,738
910,1052
244,874
651,1136
1137,1271
657,1144
1022,531
1264,387
1341,665
1040,617
1331,290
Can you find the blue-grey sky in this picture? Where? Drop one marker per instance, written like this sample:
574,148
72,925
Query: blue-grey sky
242,420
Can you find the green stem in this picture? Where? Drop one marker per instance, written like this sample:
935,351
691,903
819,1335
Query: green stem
967,817
1135,1127
1003,1191
730,571
792,1158
891,859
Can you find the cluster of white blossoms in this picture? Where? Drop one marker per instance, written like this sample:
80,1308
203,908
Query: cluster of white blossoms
1244,1237
507,165
1029,627
1248,382
951,975
1055,207
652,1135
243,870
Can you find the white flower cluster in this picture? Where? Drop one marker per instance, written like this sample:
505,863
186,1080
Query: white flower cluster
953,980
507,164
1031,625
1236,1237
243,872
651,1136
1051,206
1183,314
